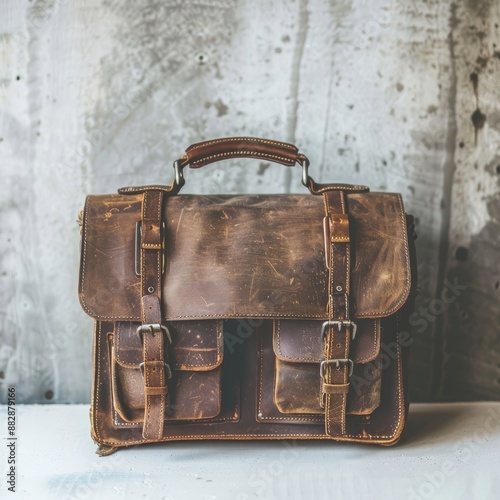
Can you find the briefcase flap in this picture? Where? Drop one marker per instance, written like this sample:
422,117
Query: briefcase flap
244,257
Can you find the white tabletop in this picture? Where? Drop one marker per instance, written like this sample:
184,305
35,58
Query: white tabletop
448,451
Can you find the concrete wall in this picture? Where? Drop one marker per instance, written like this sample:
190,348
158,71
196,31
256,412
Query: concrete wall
401,96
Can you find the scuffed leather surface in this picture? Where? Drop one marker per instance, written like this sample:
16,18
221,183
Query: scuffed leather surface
244,256
195,392
193,395
240,395
194,357
109,288
383,426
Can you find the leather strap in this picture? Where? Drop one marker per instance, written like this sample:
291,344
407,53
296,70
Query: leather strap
317,188
153,336
203,153
335,372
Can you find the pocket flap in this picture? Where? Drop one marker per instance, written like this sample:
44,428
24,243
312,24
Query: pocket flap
301,341
196,345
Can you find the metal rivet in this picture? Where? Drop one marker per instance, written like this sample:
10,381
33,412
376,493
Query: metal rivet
151,289
338,288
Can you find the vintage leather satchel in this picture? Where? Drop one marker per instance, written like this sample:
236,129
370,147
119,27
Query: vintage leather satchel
247,316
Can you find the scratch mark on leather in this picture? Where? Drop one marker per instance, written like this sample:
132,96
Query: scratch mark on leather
109,214
251,296
274,269
179,221
206,303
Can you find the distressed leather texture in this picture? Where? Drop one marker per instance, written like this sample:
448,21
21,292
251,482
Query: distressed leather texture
244,256
225,317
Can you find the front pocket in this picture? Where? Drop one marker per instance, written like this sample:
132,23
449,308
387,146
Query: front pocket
297,388
299,349
194,357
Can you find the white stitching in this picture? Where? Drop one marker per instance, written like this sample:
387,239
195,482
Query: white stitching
84,236
243,315
251,153
159,254
232,139
218,436
147,409
341,187
240,315
97,382
141,189
143,264
170,421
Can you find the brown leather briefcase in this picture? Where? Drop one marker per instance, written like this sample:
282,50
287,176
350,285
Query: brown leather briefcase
247,316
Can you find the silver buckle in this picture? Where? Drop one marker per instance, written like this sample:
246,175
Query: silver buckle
153,328
167,368
340,323
337,363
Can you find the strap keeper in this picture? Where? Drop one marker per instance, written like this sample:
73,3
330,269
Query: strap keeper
155,391
336,228
339,228
152,234
335,388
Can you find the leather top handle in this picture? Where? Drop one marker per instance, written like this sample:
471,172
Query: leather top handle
203,153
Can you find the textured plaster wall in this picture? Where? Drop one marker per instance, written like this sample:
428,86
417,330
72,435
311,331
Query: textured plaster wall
399,95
